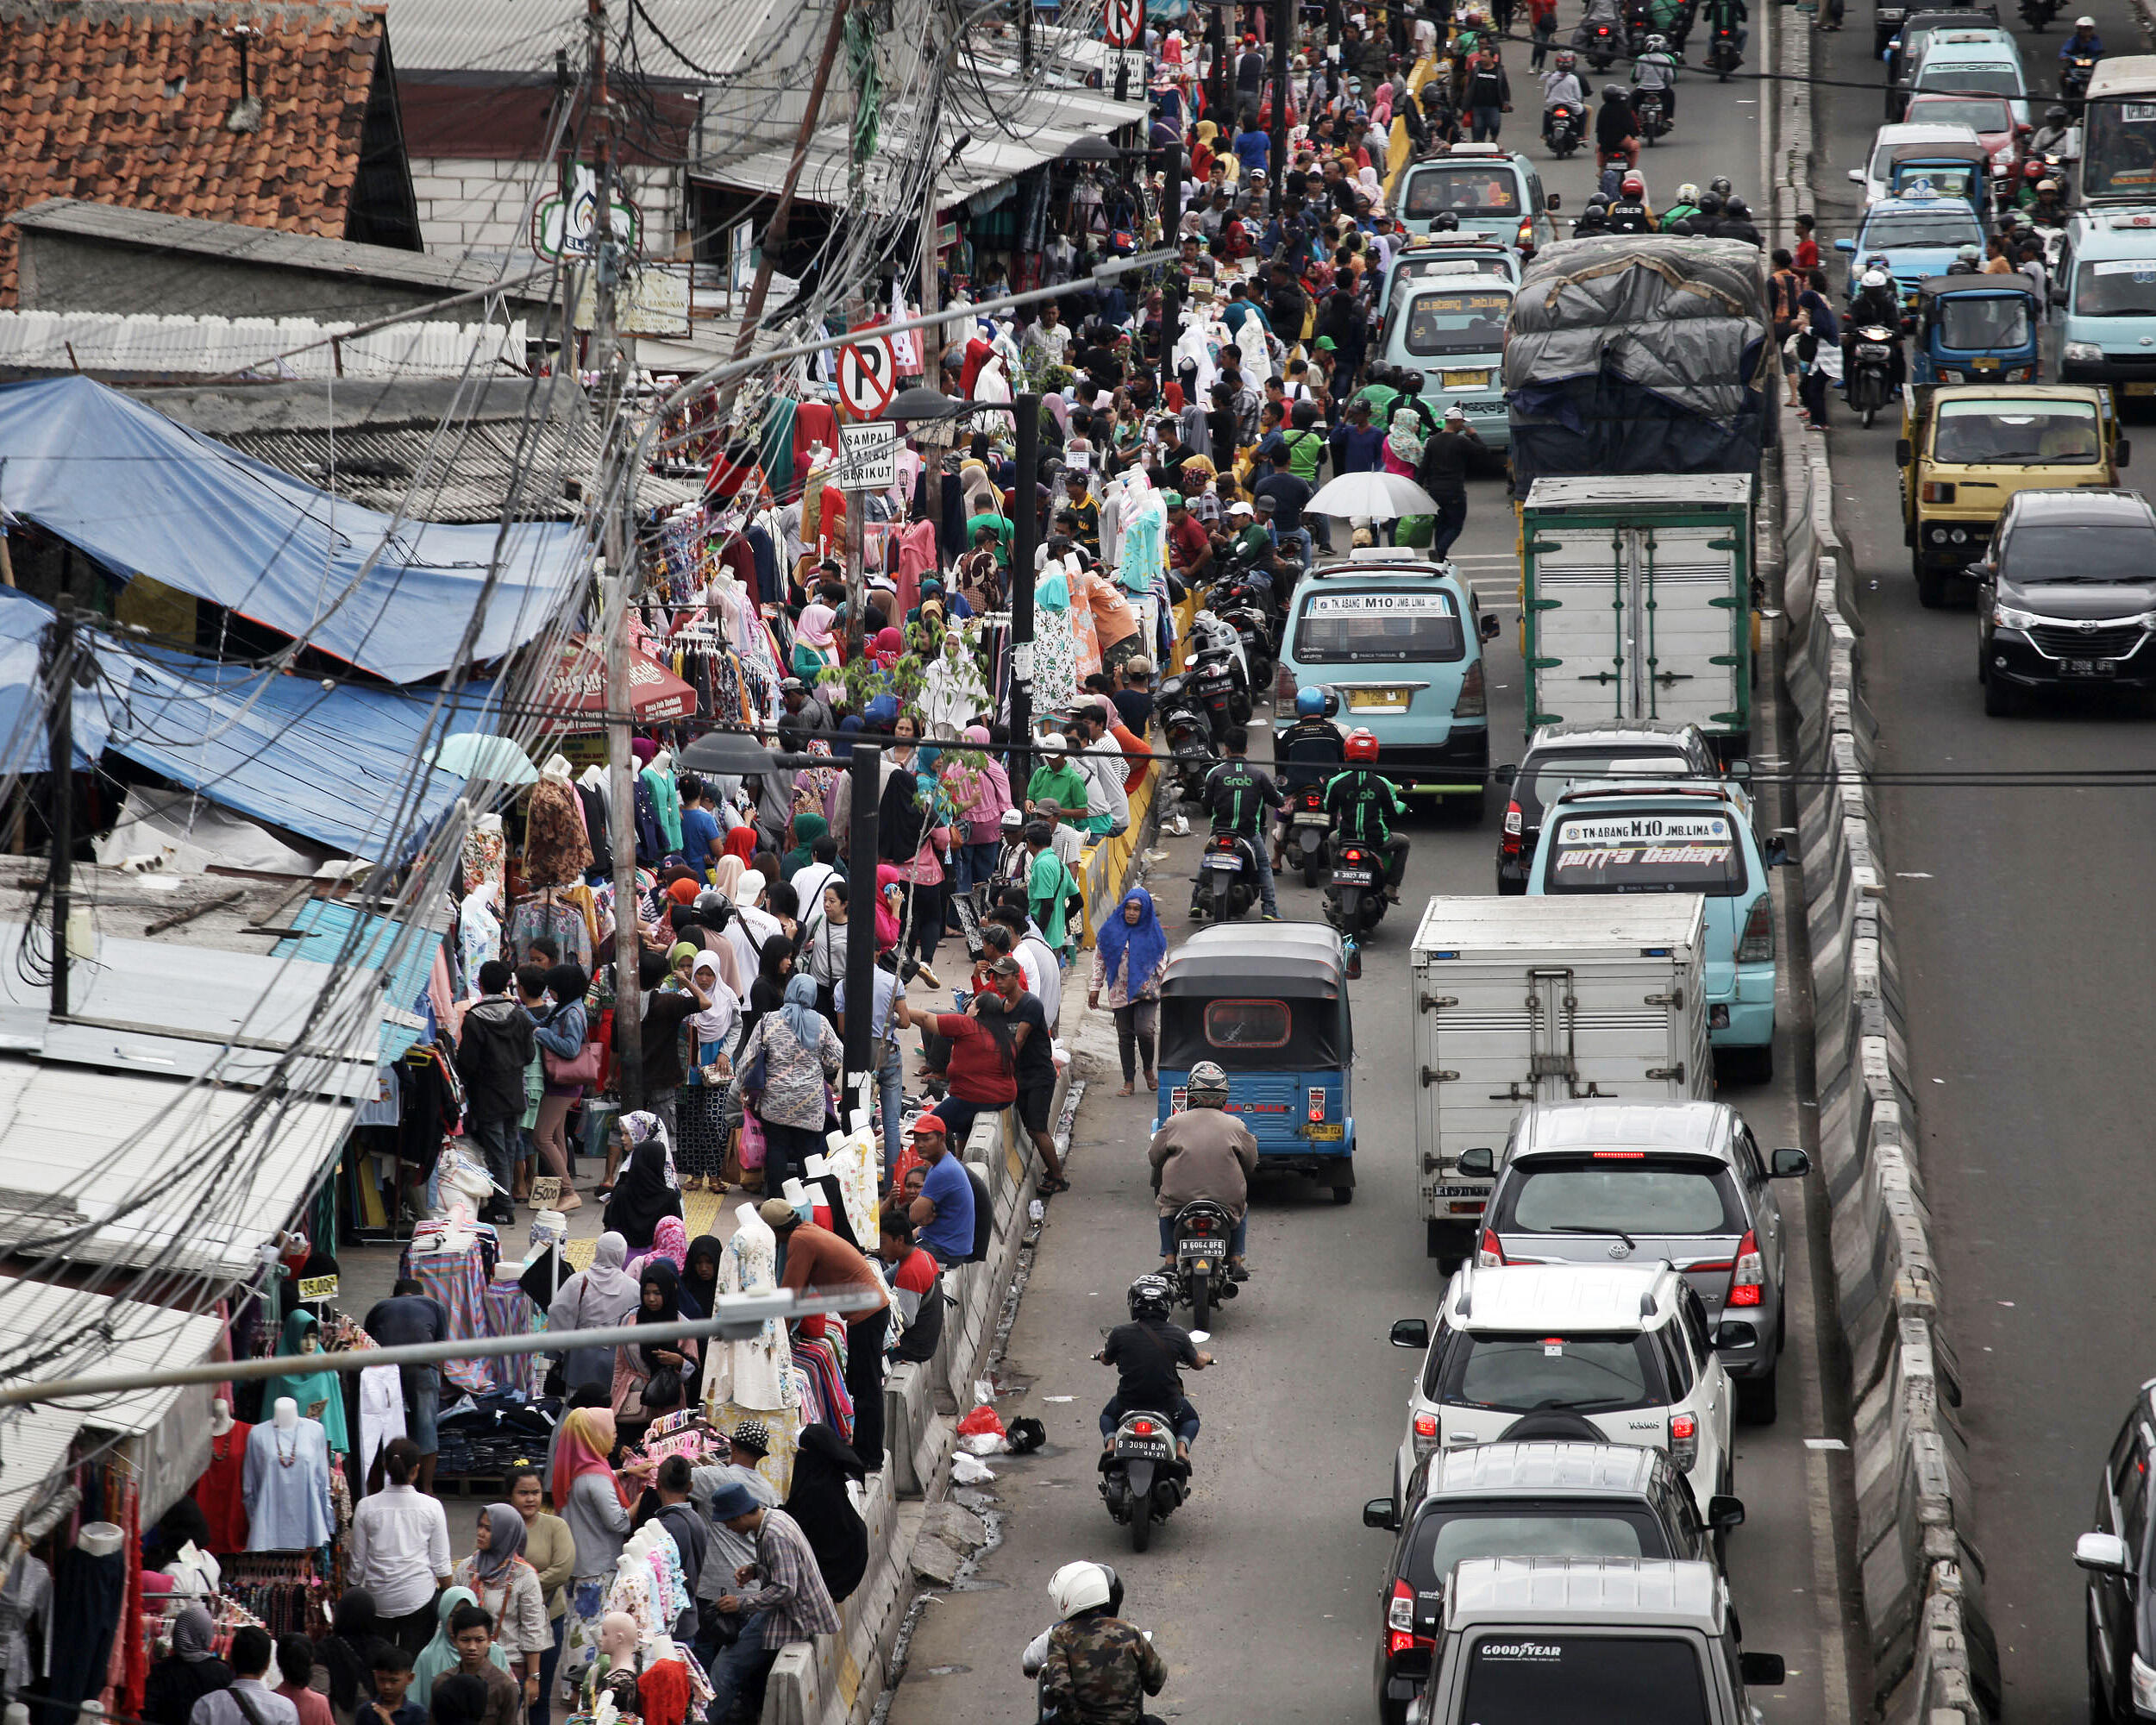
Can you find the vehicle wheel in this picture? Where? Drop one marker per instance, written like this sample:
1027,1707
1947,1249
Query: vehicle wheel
1870,413
1756,1398
2000,698
1931,588
1141,1521
1200,1300
1310,873
1344,1194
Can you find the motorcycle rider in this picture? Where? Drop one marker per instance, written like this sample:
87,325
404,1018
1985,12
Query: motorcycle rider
1307,753
1363,806
1710,214
1876,304
1236,796
1685,208
1968,261
2084,41
1729,14
1145,1352
1203,1153
1616,128
1628,211
1656,69
1562,84
2051,137
1092,1663
1736,224
2049,208
1592,220
1600,12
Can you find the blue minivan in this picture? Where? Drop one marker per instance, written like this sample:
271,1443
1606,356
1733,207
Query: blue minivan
1618,837
1400,638
2105,288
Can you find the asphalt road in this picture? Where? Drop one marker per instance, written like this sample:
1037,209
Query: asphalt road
1263,1591
2025,937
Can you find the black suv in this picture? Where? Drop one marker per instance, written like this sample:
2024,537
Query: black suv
1583,749
1524,1499
2066,595
2121,1578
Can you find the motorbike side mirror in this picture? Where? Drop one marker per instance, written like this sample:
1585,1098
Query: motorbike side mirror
1490,626
1730,1334
1378,1513
1478,1164
1410,1333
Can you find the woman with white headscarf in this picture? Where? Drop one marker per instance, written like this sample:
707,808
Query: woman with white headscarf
594,1298
699,1112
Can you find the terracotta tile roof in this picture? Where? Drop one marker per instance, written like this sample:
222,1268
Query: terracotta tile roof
121,103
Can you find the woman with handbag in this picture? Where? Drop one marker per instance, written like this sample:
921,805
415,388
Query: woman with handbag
572,1063
654,1378
594,1298
699,1112
787,1057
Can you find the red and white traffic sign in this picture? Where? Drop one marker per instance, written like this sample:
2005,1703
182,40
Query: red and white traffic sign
1123,22
868,373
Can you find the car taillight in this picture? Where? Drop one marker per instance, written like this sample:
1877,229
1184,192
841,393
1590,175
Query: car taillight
1425,1433
1317,1102
1144,1428
1283,687
1684,1440
1399,1620
1527,232
1472,704
1492,1252
1750,1274
1515,823
1757,945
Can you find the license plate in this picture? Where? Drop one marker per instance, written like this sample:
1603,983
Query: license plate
1224,862
2141,388
1313,817
1144,1448
2088,667
1350,877
1984,363
1869,350
1461,1192
1201,1249
1465,379
1325,1134
1364,700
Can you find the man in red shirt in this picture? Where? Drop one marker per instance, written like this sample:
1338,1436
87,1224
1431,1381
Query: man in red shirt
1806,256
816,1258
913,1275
1189,546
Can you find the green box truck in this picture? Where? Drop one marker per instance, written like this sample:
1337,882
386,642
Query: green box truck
1636,593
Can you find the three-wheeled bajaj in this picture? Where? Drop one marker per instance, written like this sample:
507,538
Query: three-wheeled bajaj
1975,329
1270,1005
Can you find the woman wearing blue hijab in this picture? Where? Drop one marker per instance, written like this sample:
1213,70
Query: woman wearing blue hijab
1130,952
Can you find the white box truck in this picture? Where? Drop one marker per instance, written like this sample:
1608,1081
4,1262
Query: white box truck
1532,1000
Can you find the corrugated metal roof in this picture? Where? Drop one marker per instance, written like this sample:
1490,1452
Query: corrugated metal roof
331,930
520,37
136,345
120,1170
130,1336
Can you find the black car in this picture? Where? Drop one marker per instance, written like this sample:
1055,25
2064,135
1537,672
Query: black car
2066,596
2121,1578
1579,749
1523,1499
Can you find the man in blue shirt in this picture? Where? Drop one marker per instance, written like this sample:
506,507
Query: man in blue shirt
699,826
1252,149
944,1212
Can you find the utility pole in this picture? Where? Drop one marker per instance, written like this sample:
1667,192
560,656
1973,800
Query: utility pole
774,234
1283,39
863,1034
1171,218
613,488
1025,534
931,260
856,315
60,775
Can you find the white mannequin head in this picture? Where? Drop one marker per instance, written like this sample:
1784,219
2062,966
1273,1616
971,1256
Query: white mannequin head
617,1637
220,1416
662,761
285,1415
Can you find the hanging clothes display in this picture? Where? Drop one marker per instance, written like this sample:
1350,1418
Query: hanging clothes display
485,854
318,1395
26,1599
478,929
287,1487
219,1491
556,914
455,1268
557,850
89,1591
666,801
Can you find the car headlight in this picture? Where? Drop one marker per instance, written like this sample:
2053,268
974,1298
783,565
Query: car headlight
2082,353
2144,1685
2007,617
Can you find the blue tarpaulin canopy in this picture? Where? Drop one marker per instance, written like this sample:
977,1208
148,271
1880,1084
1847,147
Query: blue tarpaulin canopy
140,493
332,764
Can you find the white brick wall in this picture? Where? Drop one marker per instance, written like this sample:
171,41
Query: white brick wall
467,203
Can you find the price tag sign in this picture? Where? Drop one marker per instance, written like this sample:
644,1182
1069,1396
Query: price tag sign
546,1192
318,1286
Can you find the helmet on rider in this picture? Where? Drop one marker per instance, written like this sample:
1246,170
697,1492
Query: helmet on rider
1687,193
1361,745
2085,23
1718,185
1613,93
2033,171
1657,45
1632,186
1874,277
1081,1587
1710,203
1969,254
1566,60
1737,210
1150,1296
2056,115
2043,185
1310,702
1207,1084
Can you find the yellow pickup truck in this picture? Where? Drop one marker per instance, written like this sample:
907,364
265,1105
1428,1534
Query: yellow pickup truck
1965,448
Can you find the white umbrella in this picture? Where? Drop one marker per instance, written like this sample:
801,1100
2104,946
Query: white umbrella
481,755
1383,497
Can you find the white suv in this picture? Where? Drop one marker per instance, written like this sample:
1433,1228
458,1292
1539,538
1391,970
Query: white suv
1618,1354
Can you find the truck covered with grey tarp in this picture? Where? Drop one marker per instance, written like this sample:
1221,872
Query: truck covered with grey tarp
1640,353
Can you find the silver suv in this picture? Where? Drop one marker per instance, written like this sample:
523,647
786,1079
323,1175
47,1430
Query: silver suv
1591,1641
1638,1182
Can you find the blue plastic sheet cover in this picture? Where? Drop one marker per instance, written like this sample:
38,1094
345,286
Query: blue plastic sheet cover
141,493
331,764
342,933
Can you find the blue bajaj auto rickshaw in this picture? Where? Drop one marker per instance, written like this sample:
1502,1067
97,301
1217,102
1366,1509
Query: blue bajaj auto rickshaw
1271,1007
1975,329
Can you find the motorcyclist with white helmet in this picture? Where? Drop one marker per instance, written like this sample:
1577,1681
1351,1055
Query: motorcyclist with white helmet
1656,69
1876,303
1146,1353
1685,208
1095,1667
